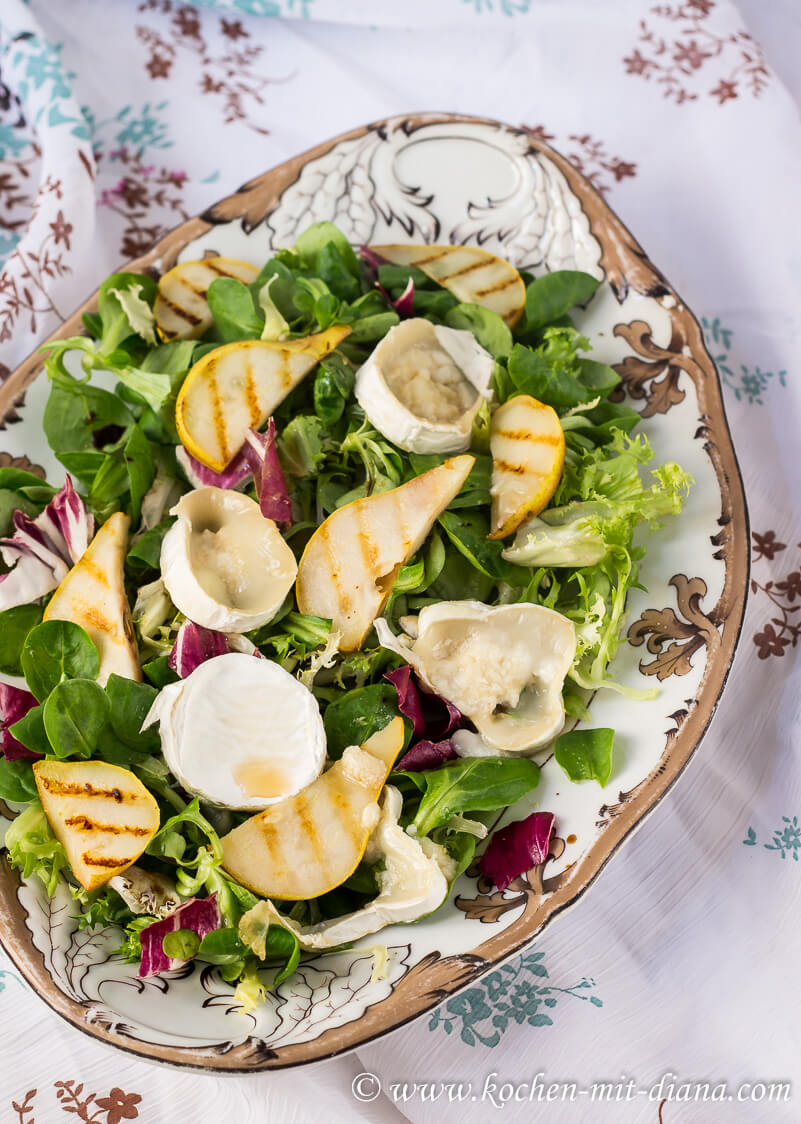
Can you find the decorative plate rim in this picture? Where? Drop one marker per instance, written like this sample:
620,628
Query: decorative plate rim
435,977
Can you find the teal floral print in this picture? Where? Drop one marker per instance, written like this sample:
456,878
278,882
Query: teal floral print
269,8
6,977
515,994
748,384
505,7
786,839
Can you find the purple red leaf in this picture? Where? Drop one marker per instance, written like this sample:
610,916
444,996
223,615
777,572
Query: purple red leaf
517,847
201,915
15,704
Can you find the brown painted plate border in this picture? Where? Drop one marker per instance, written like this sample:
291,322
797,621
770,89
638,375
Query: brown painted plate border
627,268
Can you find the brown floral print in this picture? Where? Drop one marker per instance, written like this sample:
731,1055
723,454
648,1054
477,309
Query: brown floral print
589,155
783,630
115,1108
681,45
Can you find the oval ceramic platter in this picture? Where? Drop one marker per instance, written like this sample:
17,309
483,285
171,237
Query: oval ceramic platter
446,179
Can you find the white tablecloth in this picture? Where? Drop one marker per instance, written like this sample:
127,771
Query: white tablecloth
118,119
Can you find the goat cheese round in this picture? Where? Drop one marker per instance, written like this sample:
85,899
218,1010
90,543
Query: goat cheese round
423,385
503,666
224,565
240,733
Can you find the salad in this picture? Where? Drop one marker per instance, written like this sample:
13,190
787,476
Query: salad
343,548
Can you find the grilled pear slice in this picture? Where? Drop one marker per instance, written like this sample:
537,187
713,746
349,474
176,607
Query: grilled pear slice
471,274
351,561
181,310
93,596
237,386
311,842
102,815
527,443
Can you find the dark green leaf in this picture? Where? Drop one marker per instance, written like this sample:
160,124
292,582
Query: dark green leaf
598,377
473,784
181,944
57,650
146,551
130,703
487,326
554,294
459,580
468,531
231,305
30,730
550,375
110,483
336,273
140,469
15,624
222,946
16,480
372,328
586,754
312,244
333,384
84,465
74,716
11,502
16,781
358,714
79,416
159,673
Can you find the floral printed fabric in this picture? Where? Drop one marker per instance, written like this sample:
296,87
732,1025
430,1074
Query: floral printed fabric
120,118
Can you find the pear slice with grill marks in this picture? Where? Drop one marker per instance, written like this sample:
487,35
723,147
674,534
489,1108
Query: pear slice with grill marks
181,309
473,275
311,842
527,443
351,561
93,596
237,386
102,815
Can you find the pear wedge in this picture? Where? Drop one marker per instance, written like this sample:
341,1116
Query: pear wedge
102,815
527,443
352,559
311,842
471,274
181,310
237,386
93,596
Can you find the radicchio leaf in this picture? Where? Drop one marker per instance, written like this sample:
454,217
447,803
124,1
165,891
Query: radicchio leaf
43,549
14,704
261,454
432,716
404,305
201,915
195,644
426,755
517,848
200,476
371,259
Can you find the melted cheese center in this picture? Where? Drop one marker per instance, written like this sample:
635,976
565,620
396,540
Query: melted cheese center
429,384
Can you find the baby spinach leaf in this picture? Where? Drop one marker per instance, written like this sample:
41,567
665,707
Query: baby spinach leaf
146,551
11,502
16,781
355,716
598,376
459,580
316,239
15,624
552,295
151,388
372,328
586,754
473,784
282,289
338,276
468,531
549,373
31,732
235,315
54,651
487,326
159,673
79,416
17,480
84,465
129,703
333,385
109,484
140,469
74,716
300,446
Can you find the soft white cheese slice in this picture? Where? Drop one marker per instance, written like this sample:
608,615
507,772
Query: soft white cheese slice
240,733
223,564
503,666
423,385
